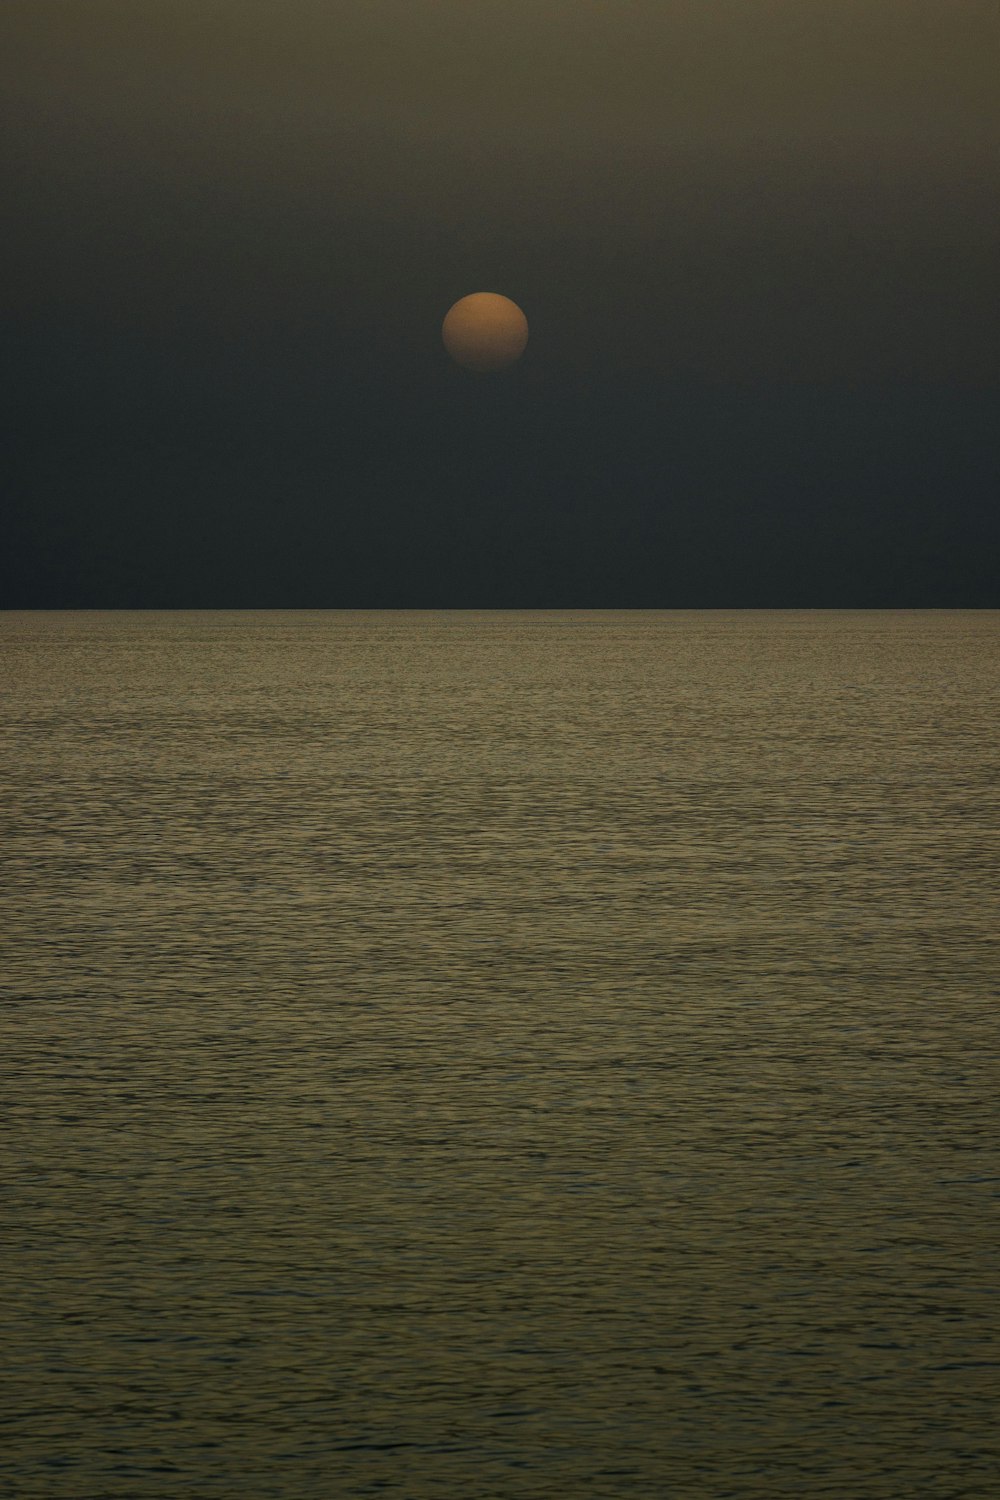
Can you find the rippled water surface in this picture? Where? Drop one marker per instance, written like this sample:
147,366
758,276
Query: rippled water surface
499,1055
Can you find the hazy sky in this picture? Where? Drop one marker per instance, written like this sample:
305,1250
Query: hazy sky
756,241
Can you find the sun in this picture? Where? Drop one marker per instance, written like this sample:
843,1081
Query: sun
485,331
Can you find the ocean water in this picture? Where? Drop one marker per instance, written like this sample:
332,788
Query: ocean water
499,1055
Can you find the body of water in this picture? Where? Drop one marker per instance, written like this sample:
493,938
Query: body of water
499,1055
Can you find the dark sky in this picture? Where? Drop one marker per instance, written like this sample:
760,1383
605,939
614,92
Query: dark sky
756,242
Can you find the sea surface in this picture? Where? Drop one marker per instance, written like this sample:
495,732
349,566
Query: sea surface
499,1055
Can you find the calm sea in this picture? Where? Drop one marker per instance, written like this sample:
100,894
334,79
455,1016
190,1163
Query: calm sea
499,1055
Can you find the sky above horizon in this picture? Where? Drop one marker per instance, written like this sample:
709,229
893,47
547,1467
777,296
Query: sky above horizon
756,242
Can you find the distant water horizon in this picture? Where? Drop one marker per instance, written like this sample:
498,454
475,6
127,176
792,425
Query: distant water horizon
498,609
499,1053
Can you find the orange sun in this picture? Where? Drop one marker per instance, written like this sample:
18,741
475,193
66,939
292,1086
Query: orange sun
485,331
